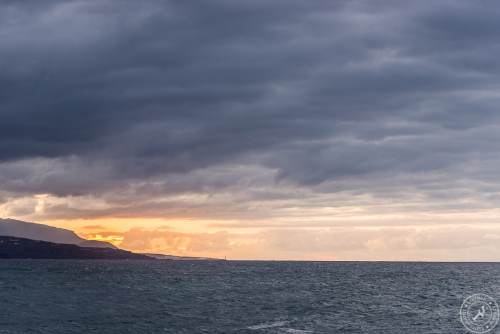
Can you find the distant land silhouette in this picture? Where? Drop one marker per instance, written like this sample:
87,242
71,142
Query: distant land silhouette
180,258
21,229
20,239
22,248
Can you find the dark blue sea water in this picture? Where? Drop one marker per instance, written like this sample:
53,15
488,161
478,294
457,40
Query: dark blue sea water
237,297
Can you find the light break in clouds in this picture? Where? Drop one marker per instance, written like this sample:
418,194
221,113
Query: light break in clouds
256,129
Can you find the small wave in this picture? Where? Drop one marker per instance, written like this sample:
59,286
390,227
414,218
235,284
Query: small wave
295,331
268,325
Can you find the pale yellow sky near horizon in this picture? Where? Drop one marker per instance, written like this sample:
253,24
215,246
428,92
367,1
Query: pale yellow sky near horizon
355,230
449,242
337,130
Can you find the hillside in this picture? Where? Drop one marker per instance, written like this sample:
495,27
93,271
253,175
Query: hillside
21,229
21,248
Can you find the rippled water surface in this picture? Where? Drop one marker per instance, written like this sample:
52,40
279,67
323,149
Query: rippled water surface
238,297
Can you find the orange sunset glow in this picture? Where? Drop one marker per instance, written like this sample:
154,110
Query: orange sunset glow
328,133
249,166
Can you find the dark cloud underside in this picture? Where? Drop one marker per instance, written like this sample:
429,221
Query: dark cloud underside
156,98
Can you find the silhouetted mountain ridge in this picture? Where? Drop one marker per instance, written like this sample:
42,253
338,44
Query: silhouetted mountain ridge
22,248
47,240
22,229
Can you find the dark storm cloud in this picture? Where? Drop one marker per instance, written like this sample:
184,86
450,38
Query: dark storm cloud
98,94
80,75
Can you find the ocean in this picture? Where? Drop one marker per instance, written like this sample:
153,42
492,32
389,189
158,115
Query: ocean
48,296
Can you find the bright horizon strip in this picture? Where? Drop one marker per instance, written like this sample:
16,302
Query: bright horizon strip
373,242
312,130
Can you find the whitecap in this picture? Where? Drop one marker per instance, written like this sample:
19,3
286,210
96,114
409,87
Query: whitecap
268,325
295,331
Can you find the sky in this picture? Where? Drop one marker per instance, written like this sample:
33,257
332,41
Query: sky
255,129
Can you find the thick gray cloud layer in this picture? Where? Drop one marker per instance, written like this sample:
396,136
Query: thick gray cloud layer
155,98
